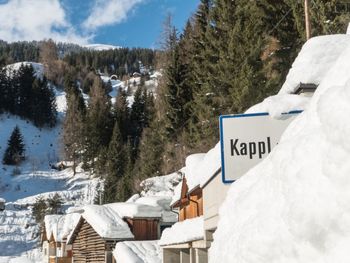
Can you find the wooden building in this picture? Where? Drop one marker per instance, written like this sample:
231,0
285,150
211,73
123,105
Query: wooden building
101,227
189,205
54,237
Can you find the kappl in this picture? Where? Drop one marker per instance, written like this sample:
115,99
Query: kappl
250,148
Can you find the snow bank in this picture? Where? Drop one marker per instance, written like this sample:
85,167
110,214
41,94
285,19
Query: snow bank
137,252
282,103
184,231
106,222
317,56
192,178
161,185
294,206
134,210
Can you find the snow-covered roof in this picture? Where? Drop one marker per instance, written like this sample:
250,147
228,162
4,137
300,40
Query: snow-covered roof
316,57
137,252
50,222
2,200
184,231
135,210
106,222
160,201
293,206
61,224
192,177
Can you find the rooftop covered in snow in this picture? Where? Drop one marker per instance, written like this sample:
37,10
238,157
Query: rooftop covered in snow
138,252
60,226
105,221
183,232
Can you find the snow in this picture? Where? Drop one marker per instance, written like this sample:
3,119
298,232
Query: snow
137,252
161,185
294,206
282,103
66,224
160,201
19,231
15,260
317,56
61,101
38,68
136,210
2,200
101,47
192,178
184,231
106,222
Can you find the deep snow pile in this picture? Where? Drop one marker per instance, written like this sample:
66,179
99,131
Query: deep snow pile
184,231
294,206
137,252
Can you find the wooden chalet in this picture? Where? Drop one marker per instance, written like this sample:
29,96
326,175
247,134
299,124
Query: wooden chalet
52,249
54,237
97,232
190,204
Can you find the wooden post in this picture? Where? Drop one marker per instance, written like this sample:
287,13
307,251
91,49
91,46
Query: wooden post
307,19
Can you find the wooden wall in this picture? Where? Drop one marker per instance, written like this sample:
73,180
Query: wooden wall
88,246
144,228
191,207
61,260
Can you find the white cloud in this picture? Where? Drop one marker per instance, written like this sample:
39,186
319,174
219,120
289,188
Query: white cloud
109,12
36,20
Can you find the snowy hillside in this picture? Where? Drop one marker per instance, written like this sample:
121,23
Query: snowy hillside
294,206
38,68
101,47
21,186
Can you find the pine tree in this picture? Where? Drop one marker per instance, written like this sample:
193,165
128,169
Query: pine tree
15,151
137,118
122,113
43,106
115,166
55,204
73,127
150,160
39,209
99,122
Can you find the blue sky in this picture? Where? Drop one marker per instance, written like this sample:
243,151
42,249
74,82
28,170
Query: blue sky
128,23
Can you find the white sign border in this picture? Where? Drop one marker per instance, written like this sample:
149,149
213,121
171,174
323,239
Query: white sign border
222,135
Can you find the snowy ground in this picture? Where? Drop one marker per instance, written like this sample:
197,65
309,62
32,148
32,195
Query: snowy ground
19,238
294,206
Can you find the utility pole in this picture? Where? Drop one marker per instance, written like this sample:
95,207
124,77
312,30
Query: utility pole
307,19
